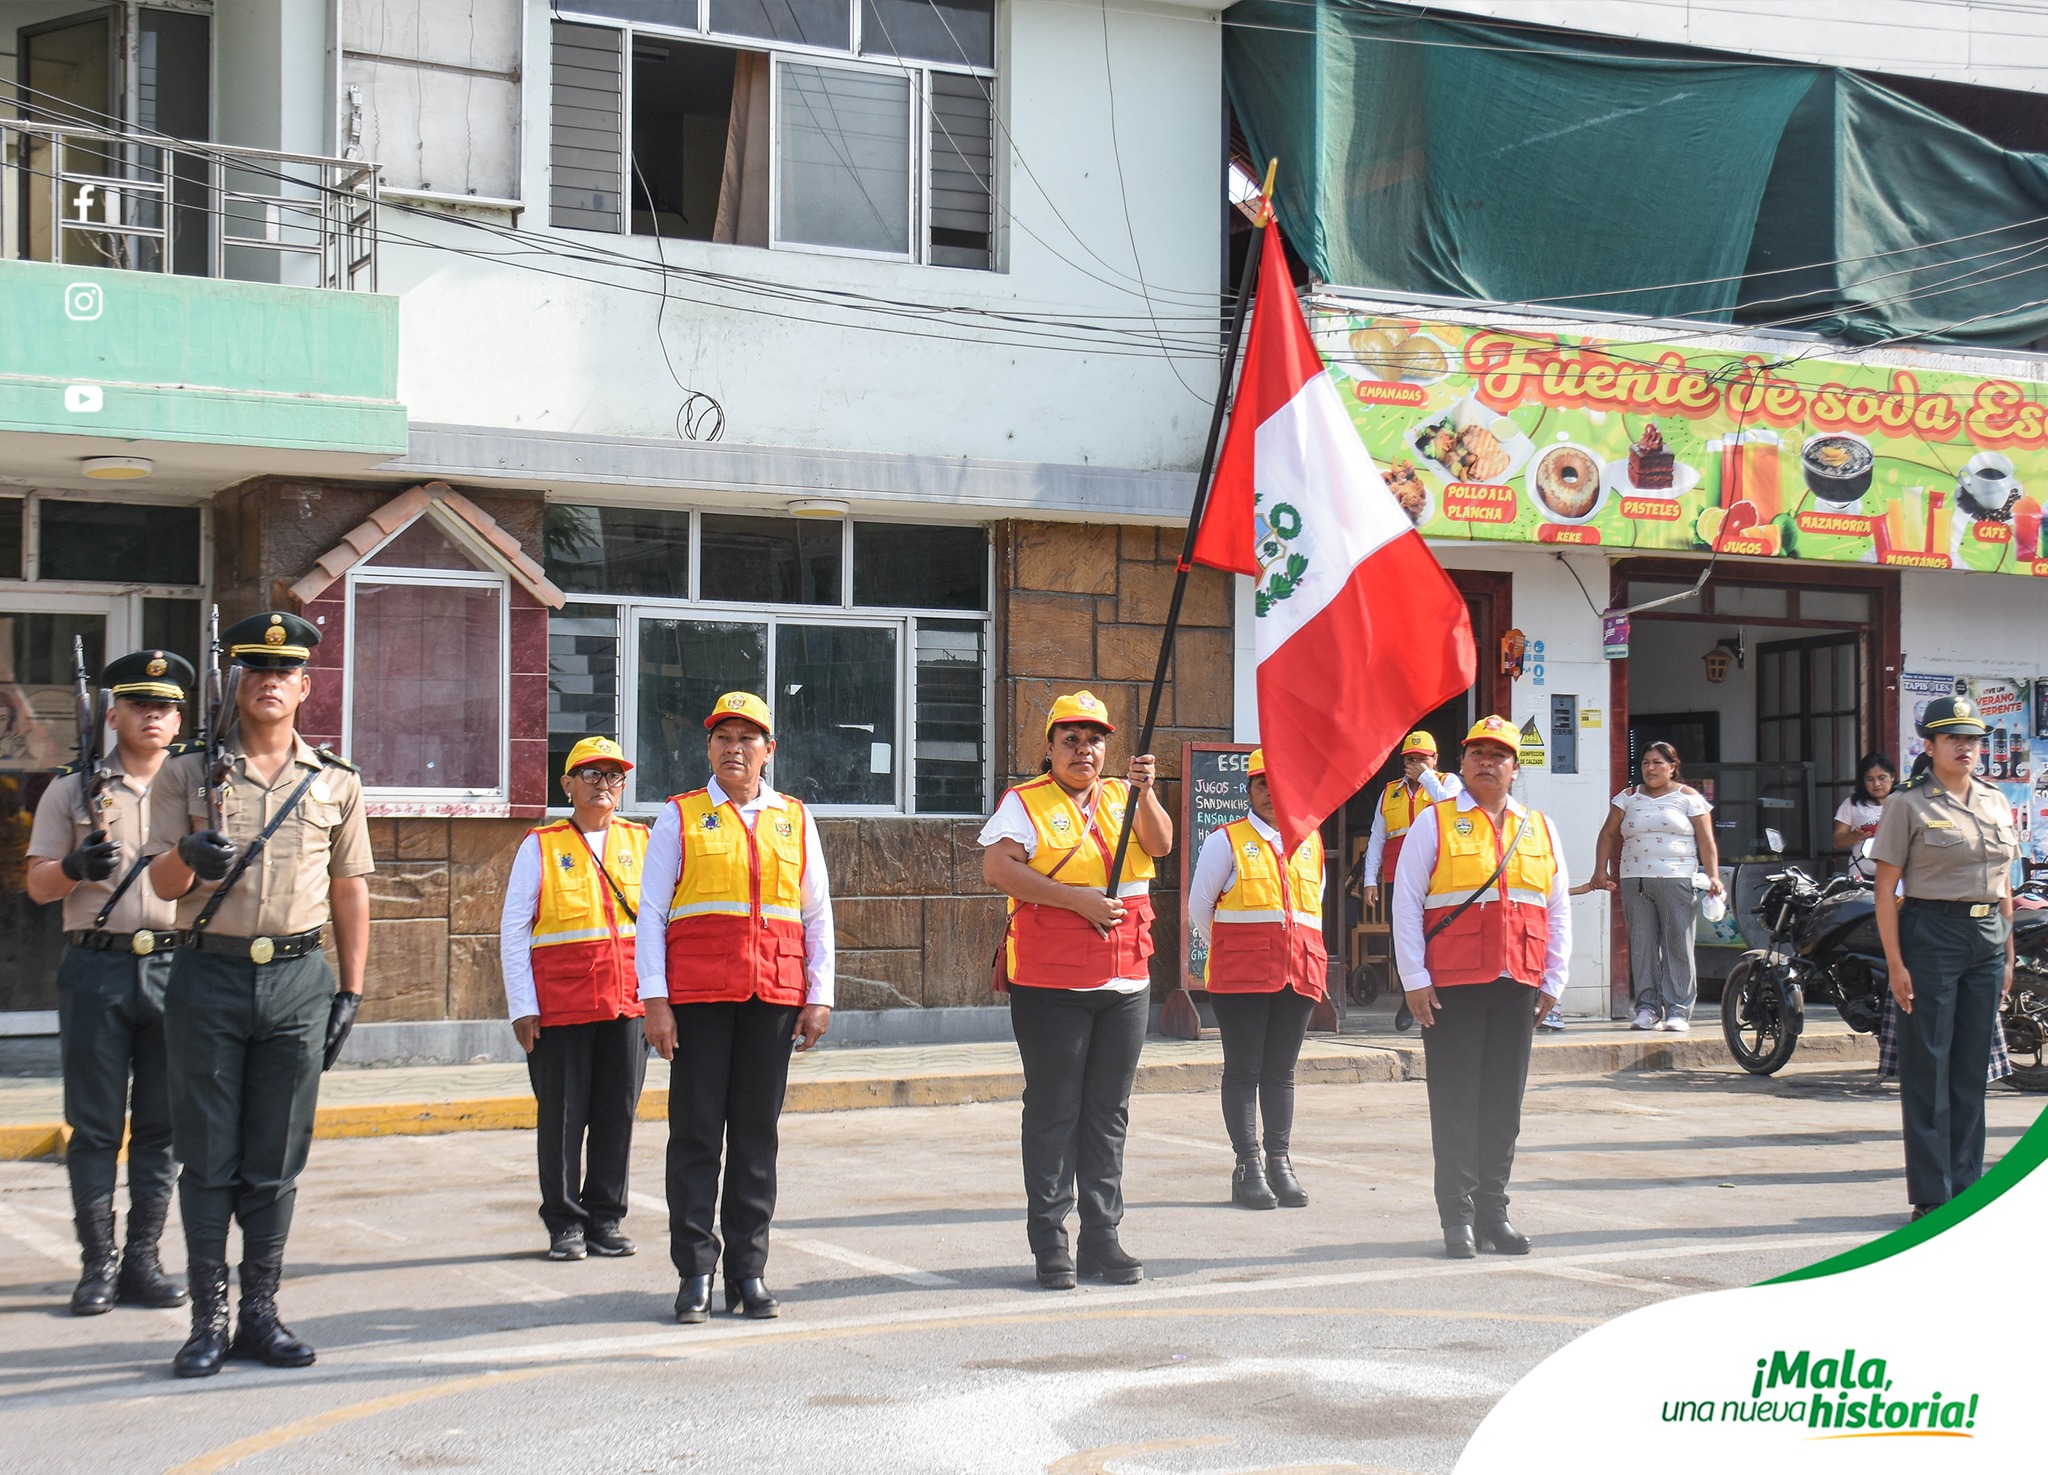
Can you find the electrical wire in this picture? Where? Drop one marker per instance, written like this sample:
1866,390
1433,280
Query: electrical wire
691,416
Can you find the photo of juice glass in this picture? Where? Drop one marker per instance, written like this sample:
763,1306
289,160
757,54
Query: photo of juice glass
2026,530
1941,518
1760,485
1902,529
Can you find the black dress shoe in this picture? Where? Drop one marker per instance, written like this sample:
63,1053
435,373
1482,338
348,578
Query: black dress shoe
1404,1018
750,1298
1502,1238
1248,1186
605,1239
1055,1269
201,1355
1286,1187
567,1244
258,1332
1107,1259
693,1301
1921,1211
1459,1243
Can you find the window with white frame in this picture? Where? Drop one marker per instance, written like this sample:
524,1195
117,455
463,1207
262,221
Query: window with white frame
427,635
858,126
869,639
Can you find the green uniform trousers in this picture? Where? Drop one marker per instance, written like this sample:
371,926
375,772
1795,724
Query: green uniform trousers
1958,964
110,1024
246,1044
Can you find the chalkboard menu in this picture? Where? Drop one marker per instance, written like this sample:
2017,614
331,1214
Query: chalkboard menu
1212,794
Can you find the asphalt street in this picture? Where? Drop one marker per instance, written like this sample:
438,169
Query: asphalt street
1333,1338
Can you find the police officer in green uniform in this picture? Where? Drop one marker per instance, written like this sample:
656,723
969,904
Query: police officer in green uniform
252,1014
1949,837
90,853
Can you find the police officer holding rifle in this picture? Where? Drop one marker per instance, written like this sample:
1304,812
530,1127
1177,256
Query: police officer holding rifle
87,849
261,838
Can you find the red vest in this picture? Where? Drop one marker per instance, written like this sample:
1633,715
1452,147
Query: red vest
582,943
1268,932
1505,934
1051,947
735,922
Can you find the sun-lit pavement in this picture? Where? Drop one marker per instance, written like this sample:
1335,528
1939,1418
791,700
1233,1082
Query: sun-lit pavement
1330,1338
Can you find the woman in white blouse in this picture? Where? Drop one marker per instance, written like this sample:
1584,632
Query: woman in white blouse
1856,820
1658,836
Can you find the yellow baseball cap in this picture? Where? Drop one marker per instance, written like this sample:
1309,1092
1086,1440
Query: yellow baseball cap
1081,706
1418,742
745,706
593,750
1496,730
1256,764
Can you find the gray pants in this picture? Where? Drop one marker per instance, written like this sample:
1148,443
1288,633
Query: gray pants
1661,972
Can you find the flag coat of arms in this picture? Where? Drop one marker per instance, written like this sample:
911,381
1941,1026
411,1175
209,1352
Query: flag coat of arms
1359,631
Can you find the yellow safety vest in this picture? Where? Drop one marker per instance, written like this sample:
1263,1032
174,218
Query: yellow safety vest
1506,933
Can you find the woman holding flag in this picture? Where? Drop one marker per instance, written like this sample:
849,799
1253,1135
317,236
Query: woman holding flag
1075,962
1262,908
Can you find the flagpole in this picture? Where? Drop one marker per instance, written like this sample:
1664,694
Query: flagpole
1245,285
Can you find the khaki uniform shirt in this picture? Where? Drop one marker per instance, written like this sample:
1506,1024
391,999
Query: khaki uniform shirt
284,890
60,828
1949,849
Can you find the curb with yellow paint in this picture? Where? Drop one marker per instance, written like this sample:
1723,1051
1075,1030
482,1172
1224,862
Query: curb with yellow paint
1325,1062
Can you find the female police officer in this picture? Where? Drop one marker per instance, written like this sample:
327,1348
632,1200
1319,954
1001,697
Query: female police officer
1948,836
1076,964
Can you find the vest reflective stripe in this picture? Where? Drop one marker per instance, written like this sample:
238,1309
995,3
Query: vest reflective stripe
1506,934
1050,947
735,920
582,944
1269,923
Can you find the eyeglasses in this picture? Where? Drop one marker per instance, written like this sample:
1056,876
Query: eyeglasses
599,778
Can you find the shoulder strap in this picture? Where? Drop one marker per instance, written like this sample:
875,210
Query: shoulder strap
255,849
1507,853
624,905
141,862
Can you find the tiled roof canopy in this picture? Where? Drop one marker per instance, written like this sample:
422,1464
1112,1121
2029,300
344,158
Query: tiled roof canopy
467,525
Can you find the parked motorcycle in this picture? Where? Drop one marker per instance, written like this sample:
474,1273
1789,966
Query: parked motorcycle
1824,944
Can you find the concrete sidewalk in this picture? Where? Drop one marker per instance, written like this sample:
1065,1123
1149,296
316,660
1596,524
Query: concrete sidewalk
425,1100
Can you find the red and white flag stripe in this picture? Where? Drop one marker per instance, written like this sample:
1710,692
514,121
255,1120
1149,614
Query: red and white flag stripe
1359,631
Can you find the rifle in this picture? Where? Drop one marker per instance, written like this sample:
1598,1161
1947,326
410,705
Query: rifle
92,727
218,701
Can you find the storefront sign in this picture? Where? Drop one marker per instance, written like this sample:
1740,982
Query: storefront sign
1212,796
2010,756
1614,636
1494,434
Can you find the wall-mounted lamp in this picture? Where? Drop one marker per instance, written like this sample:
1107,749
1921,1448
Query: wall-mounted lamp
117,468
818,507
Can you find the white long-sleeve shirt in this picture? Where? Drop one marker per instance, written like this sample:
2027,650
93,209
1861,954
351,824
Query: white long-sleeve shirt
1438,786
1411,885
1216,873
664,866
515,922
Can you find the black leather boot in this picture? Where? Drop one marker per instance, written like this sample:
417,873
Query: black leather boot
749,1296
143,1282
1055,1268
1106,1258
1458,1242
94,1293
693,1300
1286,1187
1248,1186
1501,1237
258,1332
200,1356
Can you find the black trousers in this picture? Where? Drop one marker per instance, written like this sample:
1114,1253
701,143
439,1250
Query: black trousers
1477,1056
1262,1035
1080,1052
1958,964
725,1099
110,1023
586,1083
245,1043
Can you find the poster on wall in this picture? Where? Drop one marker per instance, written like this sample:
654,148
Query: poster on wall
2012,758
1510,434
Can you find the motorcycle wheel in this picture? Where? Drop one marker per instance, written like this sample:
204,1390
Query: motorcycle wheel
1365,984
1759,1032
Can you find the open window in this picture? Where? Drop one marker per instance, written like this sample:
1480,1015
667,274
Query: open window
856,126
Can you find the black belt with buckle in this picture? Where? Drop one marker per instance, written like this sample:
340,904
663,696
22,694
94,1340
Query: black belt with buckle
141,943
261,949
1977,909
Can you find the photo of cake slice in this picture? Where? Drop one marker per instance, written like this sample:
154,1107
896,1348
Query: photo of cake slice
1649,464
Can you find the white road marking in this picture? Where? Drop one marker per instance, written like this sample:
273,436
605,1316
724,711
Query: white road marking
397,1239
665,1343
17,1226
505,1285
873,1264
1599,1277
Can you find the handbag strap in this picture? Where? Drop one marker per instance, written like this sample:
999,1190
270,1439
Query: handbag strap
1507,853
1087,823
632,914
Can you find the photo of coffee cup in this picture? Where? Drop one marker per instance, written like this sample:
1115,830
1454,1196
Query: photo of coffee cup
1986,483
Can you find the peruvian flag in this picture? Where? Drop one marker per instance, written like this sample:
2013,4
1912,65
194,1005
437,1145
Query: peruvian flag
1359,630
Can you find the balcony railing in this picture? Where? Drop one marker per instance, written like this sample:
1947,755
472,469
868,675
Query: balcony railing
92,198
